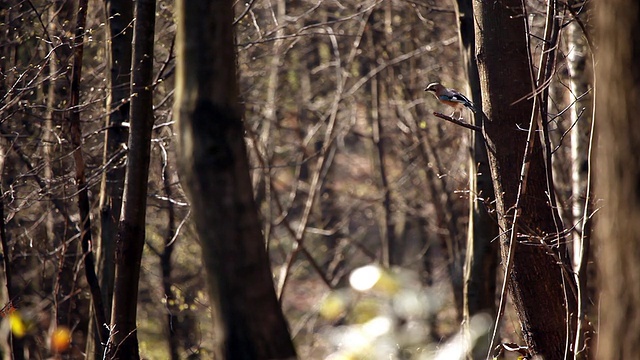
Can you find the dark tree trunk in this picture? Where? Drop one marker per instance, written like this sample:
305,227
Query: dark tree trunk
123,343
119,16
537,279
618,228
248,321
84,206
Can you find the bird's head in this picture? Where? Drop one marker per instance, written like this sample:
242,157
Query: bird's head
434,87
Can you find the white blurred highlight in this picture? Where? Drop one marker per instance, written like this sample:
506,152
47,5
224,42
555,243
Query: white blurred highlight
364,278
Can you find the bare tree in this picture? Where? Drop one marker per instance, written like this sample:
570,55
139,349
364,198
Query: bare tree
123,342
84,206
532,241
118,50
215,174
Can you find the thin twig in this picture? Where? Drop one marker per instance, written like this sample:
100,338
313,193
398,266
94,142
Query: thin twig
248,7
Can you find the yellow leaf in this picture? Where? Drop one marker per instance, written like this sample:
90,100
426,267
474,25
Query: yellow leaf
18,326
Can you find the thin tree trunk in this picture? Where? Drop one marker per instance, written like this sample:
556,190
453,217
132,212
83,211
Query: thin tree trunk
165,262
618,228
536,262
392,248
481,260
389,249
123,343
83,192
578,61
580,65
119,15
248,321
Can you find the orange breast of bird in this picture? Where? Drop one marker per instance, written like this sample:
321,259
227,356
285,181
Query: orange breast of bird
452,103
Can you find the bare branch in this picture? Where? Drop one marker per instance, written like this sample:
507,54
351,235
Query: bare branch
458,122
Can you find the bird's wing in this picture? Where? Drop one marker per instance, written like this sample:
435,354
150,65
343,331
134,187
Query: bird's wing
456,97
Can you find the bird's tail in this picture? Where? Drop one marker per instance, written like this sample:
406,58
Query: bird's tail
469,105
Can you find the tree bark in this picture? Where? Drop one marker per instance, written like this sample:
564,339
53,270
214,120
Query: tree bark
123,343
481,260
84,206
537,279
618,228
119,17
248,321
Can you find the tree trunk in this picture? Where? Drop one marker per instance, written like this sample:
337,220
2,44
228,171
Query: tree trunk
248,321
166,268
580,73
123,343
537,278
618,228
119,16
481,260
84,207
580,66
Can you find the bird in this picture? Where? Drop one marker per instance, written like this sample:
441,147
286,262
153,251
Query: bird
452,98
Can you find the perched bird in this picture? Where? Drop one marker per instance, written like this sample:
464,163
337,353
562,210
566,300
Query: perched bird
452,98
